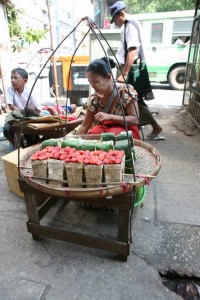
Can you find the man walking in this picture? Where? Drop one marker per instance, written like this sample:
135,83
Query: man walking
130,56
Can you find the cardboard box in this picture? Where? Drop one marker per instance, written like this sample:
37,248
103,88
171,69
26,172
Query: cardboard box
10,162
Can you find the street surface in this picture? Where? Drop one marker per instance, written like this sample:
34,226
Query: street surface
165,232
164,95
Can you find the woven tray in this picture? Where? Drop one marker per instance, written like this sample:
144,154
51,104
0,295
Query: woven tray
147,166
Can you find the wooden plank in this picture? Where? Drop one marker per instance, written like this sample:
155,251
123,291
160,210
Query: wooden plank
46,206
123,226
31,207
78,238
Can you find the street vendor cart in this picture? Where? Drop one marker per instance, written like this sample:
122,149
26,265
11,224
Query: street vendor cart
118,195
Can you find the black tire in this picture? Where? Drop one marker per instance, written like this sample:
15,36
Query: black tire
176,78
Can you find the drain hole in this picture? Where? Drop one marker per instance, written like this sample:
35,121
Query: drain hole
186,287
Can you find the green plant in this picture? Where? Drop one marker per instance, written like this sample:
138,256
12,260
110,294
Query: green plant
17,35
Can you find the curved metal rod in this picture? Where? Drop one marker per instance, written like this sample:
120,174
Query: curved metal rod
129,143
118,65
70,74
25,109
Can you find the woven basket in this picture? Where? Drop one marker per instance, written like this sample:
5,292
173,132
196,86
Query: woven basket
146,167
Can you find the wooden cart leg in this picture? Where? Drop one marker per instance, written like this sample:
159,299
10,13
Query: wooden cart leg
123,230
32,212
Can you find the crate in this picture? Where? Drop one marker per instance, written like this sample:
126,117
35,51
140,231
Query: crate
10,162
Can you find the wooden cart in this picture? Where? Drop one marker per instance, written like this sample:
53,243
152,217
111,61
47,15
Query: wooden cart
49,127
119,196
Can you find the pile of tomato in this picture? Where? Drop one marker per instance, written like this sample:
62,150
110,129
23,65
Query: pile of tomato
68,154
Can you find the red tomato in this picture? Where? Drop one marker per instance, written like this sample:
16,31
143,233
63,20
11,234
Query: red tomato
92,161
87,152
62,157
115,152
67,160
80,152
62,151
35,154
99,162
121,153
39,153
102,155
86,161
80,160
118,160
50,148
34,157
44,150
57,148
56,155
42,157
106,161
67,149
72,150
74,159
112,160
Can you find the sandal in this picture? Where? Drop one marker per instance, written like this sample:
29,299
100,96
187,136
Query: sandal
153,137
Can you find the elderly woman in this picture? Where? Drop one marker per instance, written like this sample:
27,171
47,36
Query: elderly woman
104,111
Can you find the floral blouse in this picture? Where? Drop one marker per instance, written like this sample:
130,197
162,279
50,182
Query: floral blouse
127,96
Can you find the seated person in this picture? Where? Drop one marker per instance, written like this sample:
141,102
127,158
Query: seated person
103,108
60,111
181,41
17,96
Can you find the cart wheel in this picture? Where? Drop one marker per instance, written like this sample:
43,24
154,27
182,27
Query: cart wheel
36,237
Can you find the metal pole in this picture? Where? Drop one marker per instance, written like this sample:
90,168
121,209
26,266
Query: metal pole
53,47
2,79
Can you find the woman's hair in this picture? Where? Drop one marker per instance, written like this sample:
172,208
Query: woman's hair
101,66
23,73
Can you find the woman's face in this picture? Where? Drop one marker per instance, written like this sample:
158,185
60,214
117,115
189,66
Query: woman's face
99,83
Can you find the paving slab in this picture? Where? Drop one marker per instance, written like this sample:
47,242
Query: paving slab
165,236
13,287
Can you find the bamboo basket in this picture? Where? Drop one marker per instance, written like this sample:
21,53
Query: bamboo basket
146,166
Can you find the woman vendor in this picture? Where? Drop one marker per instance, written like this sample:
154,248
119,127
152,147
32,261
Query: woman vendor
103,108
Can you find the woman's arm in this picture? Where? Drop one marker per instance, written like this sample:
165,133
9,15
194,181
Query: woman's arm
131,117
87,123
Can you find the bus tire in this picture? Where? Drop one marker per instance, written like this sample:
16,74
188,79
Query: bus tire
176,78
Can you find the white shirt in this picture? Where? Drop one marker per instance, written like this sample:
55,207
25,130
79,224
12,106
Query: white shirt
13,98
179,42
133,39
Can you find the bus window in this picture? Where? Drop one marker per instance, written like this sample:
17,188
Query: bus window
181,28
156,32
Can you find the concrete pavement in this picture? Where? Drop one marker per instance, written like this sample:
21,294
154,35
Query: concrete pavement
166,236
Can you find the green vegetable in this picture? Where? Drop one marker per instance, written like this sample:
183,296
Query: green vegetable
123,136
50,142
71,142
129,166
133,152
88,145
108,136
106,146
123,145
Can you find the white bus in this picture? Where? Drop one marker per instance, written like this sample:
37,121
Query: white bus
166,61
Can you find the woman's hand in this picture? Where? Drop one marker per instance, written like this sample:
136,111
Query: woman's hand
101,117
121,78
